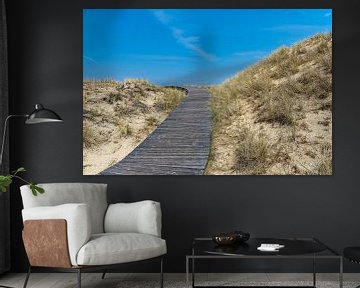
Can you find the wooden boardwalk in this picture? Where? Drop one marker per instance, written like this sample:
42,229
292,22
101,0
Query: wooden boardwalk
179,146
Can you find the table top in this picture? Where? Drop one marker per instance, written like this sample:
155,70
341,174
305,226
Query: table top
293,247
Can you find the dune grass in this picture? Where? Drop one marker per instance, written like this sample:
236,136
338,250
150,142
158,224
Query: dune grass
279,91
171,98
252,152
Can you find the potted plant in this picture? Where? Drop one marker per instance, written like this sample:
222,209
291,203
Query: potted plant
6,180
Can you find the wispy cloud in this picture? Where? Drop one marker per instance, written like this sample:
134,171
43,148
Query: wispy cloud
328,14
190,42
89,59
162,16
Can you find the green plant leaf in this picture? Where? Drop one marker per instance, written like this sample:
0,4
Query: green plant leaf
5,182
33,189
36,189
39,189
20,169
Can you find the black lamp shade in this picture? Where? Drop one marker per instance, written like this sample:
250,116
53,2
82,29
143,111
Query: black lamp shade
42,115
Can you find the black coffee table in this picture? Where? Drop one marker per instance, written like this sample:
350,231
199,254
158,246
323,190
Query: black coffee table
295,248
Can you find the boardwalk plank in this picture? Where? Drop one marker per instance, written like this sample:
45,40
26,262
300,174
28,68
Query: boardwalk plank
179,146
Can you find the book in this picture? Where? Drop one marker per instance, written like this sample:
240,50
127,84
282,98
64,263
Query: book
270,247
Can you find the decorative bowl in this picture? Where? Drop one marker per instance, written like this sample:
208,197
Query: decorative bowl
225,239
231,238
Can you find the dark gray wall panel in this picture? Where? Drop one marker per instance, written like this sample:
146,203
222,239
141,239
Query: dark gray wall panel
45,39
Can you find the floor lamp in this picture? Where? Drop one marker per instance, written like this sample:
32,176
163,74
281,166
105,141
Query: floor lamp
39,115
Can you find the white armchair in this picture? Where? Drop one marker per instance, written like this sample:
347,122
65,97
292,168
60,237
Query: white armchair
72,228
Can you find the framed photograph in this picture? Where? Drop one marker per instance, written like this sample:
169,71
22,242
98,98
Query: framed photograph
174,92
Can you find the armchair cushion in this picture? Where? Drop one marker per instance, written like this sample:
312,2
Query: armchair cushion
113,248
138,217
78,221
92,194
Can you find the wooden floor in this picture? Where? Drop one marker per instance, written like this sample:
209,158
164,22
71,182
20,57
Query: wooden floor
119,280
179,146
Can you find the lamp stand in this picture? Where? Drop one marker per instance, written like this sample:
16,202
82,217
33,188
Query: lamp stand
39,115
4,135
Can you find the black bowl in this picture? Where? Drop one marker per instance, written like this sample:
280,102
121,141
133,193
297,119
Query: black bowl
241,236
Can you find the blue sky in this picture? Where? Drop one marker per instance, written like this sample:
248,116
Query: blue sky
189,46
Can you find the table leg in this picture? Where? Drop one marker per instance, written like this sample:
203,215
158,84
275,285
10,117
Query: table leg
314,271
193,267
341,273
187,272
193,272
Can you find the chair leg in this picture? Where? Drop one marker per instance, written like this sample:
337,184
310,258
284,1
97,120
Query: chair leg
103,275
161,273
27,277
79,277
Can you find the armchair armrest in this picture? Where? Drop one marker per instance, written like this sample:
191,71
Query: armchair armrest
78,225
138,217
